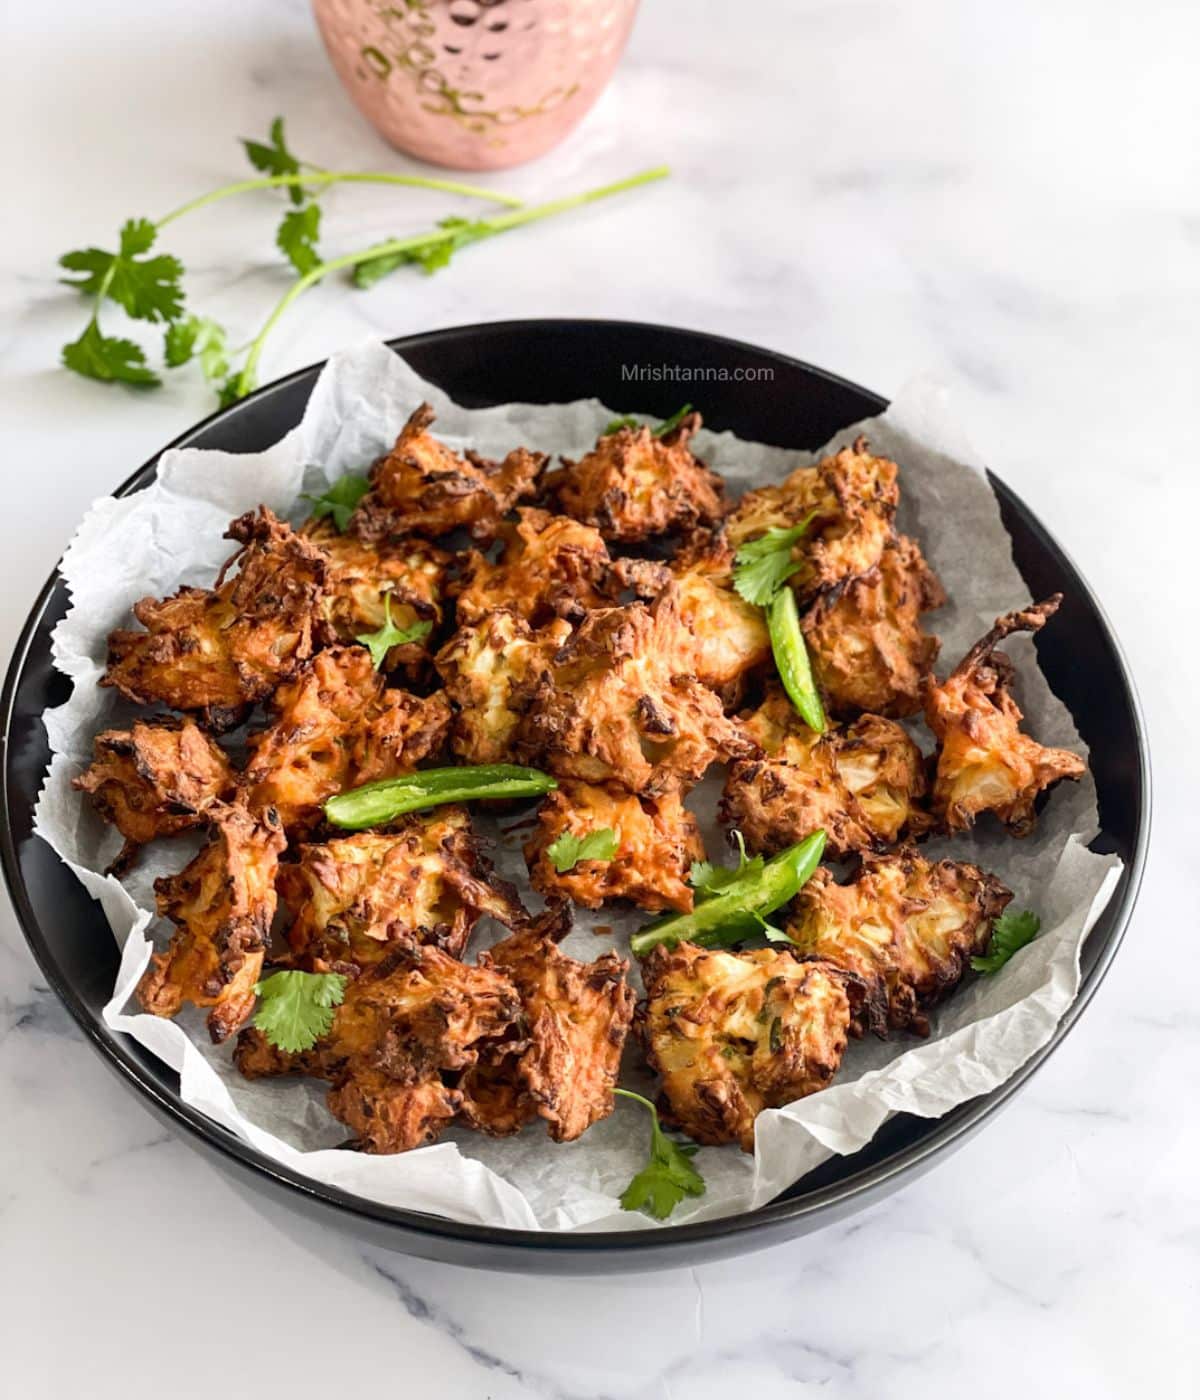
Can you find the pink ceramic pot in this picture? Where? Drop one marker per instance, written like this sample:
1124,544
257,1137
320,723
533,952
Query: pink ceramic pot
475,84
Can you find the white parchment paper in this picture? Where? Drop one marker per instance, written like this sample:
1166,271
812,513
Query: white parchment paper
171,534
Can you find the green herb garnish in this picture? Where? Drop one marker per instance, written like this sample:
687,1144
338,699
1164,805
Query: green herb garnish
567,850
339,500
762,566
295,1009
668,1176
380,642
1010,933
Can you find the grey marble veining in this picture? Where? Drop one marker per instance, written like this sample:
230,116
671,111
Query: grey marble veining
1006,198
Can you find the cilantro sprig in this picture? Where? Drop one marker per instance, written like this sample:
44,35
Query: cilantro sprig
381,641
708,879
668,1176
762,566
1010,933
339,500
150,287
668,425
567,849
295,1009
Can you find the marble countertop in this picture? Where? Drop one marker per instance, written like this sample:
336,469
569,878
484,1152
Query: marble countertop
1005,197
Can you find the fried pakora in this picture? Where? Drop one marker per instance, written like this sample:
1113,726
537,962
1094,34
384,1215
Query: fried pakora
985,763
657,839
561,1062
222,904
217,651
337,725
406,1028
423,488
734,1033
849,500
610,708
367,583
904,926
488,669
154,779
352,899
721,638
633,485
862,784
868,649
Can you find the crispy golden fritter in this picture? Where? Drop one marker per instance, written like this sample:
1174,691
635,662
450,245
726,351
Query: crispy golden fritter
868,649
352,899
423,488
734,1033
610,707
335,726
551,566
633,485
852,499
155,779
861,783
222,903
562,1060
905,927
985,763
657,841
361,579
721,638
218,651
404,1025
488,669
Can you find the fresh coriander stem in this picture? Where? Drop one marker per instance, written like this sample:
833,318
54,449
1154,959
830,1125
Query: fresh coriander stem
637,1098
501,223
323,178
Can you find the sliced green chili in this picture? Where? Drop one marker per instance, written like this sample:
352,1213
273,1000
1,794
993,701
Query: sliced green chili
377,803
791,659
736,913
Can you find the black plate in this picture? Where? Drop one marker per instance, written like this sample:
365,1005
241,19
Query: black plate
549,362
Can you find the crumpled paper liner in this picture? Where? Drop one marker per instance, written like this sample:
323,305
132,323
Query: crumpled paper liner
171,534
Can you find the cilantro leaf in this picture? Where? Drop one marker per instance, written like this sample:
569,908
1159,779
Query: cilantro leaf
108,357
628,421
275,158
430,256
762,566
1010,933
389,635
708,879
148,288
197,337
296,237
295,1009
668,1175
668,425
567,850
340,500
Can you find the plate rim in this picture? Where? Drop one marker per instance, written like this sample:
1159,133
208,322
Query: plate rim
948,1132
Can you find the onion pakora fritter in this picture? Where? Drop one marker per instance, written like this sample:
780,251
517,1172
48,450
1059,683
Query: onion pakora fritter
657,839
366,582
862,783
352,899
551,566
868,649
488,669
222,904
335,726
155,779
561,1061
407,1027
905,927
985,763
423,488
633,485
610,708
218,651
734,1033
851,498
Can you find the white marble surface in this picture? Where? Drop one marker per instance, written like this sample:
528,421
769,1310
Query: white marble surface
1007,197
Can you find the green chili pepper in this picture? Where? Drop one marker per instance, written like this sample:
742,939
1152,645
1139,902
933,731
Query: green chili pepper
791,659
737,912
377,803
